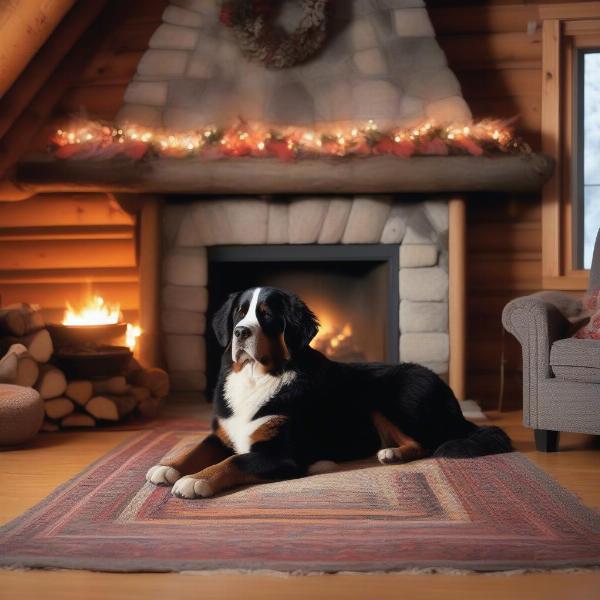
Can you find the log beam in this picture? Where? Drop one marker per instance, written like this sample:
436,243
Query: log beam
24,27
43,64
382,174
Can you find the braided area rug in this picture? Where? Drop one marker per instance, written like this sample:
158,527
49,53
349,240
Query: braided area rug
487,514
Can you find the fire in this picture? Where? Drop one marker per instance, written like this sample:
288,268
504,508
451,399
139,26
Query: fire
95,312
132,334
330,339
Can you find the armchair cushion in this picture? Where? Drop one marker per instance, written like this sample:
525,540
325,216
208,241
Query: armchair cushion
576,360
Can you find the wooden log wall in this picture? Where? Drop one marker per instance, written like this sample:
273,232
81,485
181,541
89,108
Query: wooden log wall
496,54
64,247
495,51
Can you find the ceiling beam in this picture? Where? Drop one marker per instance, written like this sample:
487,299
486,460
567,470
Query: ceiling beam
24,27
43,64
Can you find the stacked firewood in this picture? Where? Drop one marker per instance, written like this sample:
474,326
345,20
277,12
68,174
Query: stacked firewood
26,350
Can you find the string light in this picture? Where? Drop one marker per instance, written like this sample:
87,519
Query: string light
246,139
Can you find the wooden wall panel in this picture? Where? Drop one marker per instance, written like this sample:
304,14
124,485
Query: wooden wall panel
58,248
495,50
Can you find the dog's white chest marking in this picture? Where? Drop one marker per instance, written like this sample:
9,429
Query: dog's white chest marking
245,395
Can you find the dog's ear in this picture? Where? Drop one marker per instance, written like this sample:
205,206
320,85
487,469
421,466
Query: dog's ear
222,322
301,324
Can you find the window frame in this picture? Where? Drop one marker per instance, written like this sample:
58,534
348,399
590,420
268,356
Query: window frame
566,28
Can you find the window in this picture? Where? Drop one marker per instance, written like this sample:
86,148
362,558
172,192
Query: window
570,133
586,220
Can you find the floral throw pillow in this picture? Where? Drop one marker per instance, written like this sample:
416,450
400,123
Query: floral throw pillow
591,330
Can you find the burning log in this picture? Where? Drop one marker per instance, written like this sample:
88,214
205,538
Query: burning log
20,319
111,408
78,420
58,408
79,391
51,382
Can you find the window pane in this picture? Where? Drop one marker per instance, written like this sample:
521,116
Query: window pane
591,154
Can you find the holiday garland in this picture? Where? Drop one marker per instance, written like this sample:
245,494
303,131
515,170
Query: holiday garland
260,40
94,140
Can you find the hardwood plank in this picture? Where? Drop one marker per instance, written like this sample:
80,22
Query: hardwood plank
482,19
505,237
104,274
76,232
46,210
52,296
501,83
491,48
97,101
110,68
65,254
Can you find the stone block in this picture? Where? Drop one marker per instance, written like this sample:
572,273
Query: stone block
429,284
162,63
183,322
187,381
449,110
278,227
186,266
151,93
173,37
432,84
437,213
413,22
203,7
418,228
185,298
423,316
306,217
440,368
201,65
176,15
362,34
335,221
395,225
424,347
185,352
366,220
418,255
290,104
370,62
375,99
150,116
172,219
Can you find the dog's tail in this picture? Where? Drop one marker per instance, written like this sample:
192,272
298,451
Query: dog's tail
479,442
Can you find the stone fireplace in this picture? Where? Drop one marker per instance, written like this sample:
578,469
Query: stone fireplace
305,230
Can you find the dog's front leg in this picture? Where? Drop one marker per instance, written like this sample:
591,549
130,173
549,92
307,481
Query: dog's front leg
241,469
210,451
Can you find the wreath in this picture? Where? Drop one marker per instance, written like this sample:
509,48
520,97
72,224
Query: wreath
261,40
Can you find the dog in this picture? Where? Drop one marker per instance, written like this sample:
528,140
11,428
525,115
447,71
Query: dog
283,410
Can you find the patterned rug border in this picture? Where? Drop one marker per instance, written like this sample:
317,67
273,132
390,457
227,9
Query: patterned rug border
570,501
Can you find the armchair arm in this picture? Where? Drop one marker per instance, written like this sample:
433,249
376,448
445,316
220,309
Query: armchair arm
537,324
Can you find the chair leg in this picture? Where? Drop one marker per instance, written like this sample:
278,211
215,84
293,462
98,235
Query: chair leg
546,441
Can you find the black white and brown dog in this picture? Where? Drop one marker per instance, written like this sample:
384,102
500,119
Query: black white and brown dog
283,410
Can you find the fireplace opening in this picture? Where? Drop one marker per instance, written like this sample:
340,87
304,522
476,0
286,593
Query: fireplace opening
353,290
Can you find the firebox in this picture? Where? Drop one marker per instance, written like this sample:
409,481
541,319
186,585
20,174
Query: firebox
353,290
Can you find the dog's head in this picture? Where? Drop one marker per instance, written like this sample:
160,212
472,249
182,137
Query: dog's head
265,326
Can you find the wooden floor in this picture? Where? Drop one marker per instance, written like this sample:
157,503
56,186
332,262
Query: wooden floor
29,474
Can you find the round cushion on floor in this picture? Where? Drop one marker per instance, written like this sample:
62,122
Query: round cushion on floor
21,413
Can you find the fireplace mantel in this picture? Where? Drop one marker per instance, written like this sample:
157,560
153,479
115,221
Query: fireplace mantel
381,174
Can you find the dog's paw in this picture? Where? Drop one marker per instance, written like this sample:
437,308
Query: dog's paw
189,487
161,475
387,456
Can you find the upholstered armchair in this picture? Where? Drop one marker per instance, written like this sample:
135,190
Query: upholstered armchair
561,374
